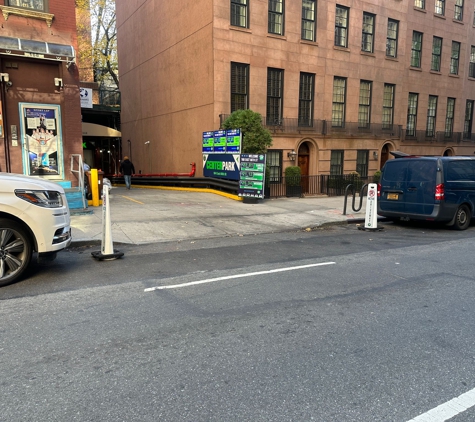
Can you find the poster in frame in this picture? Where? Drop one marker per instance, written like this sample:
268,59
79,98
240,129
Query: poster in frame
40,126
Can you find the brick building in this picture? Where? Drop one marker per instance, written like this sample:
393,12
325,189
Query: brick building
39,82
340,83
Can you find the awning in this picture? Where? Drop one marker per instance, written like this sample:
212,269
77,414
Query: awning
91,129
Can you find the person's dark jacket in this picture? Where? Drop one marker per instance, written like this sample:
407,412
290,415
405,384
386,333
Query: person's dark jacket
127,168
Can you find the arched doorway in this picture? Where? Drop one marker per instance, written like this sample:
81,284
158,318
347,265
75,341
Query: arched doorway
448,153
304,164
384,155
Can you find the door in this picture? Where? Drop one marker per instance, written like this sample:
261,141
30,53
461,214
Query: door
303,164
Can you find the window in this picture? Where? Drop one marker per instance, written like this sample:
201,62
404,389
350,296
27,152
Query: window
436,54
308,20
336,162
458,13
338,107
467,125
367,40
306,95
440,7
239,13
276,17
412,114
362,162
449,117
391,38
388,106
416,50
364,110
341,26
454,58
275,85
421,4
239,86
40,5
431,114
274,162
471,67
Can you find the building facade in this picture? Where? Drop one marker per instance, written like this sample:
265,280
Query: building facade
340,83
40,125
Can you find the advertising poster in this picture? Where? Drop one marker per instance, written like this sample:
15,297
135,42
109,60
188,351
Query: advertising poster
252,175
220,141
208,142
40,128
233,141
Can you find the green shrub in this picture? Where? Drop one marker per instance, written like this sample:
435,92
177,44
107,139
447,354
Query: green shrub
292,176
376,176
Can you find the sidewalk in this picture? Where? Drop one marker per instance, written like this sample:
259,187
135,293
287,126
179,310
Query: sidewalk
149,215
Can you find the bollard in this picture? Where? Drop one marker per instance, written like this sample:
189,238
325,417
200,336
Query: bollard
107,251
95,187
371,216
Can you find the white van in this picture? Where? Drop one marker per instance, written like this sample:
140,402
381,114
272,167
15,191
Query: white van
34,217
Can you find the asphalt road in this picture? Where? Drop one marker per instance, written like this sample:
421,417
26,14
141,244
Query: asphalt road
335,324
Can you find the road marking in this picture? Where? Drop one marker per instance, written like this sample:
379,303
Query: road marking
449,409
131,199
230,277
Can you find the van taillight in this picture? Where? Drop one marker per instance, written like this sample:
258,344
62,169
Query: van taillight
439,192
379,190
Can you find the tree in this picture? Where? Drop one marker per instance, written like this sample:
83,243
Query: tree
255,137
97,41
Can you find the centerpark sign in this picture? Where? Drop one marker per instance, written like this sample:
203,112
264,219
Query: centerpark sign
222,159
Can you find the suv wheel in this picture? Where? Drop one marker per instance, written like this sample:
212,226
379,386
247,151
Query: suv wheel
15,251
462,218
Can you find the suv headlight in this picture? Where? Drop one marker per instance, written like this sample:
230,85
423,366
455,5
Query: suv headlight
42,198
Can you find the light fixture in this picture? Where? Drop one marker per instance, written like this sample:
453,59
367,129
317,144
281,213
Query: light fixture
375,155
5,77
147,142
58,82
292,155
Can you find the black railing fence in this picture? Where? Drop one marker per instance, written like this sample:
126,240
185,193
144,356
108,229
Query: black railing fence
315,185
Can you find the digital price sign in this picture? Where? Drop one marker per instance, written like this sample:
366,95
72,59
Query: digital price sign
252,175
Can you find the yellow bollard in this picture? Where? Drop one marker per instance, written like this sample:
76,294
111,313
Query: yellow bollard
95,188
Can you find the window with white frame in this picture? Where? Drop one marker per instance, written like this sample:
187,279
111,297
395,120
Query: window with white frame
341,26
416,49
364,109
308,20
339,100
449,117
276,17
421,4
411,122
239,13
391,38
367,36
454,58
431,116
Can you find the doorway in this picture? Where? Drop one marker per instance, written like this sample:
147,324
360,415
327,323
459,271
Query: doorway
303,163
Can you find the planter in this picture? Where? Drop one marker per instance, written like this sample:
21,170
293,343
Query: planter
293,191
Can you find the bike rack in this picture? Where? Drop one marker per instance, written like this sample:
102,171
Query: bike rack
353,190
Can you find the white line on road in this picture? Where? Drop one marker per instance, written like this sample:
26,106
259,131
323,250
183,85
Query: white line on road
230,277
449,409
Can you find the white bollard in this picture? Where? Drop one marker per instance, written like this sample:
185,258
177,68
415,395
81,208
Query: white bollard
371,216
107,248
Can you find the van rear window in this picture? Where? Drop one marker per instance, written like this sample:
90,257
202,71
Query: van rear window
458,171
395,171
421,171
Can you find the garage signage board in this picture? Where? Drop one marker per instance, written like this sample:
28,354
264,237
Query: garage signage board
252,175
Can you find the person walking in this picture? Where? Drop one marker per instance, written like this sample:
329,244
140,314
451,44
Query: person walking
127,169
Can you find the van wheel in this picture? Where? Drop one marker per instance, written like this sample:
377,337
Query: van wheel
462,218
15,251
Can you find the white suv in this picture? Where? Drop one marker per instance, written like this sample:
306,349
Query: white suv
34,217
